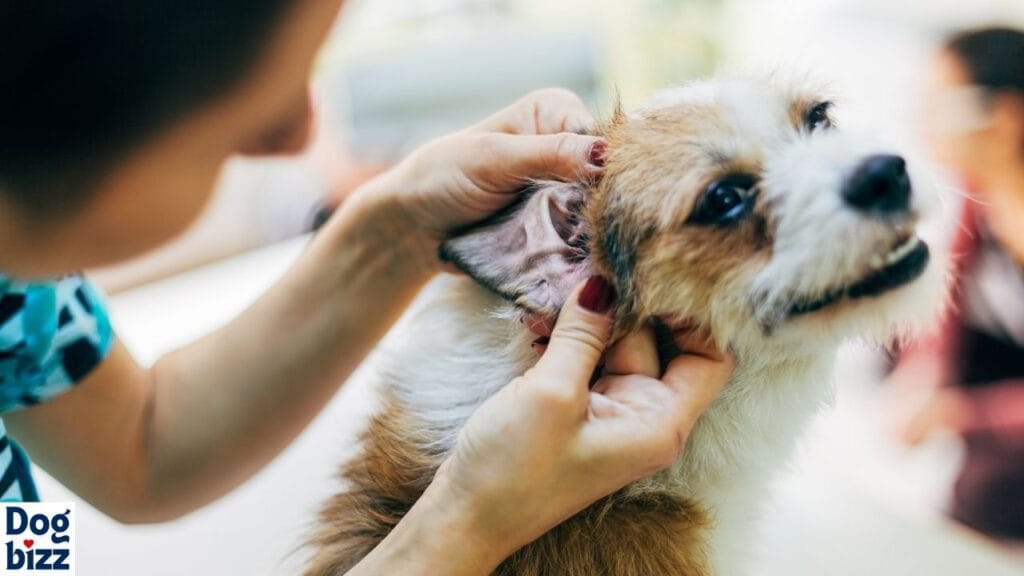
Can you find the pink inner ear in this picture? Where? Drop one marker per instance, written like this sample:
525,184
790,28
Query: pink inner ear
534,253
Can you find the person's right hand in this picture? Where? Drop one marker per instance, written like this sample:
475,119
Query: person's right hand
547,445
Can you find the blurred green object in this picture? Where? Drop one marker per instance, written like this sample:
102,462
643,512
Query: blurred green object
681,39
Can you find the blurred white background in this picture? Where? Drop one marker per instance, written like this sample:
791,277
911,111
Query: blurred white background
397,72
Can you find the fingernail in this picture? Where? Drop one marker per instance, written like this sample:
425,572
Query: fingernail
597,296
599,153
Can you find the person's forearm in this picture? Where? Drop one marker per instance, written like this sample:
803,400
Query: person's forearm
228,403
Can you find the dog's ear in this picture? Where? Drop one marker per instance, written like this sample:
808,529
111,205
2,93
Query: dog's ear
534,252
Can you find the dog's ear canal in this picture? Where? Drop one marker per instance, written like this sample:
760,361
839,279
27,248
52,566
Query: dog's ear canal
534,252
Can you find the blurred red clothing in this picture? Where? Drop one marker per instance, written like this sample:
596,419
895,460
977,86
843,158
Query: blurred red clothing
980,347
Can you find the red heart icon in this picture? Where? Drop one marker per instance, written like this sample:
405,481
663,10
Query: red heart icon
29,543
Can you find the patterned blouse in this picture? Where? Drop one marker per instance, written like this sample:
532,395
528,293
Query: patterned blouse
52,334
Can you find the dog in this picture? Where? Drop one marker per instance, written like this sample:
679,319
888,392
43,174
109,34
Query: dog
735,204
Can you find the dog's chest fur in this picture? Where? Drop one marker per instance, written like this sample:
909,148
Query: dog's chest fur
454,350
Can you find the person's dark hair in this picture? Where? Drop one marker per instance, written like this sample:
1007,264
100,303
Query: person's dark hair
85,80
994,57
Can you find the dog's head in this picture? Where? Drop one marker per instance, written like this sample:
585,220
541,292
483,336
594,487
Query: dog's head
736,205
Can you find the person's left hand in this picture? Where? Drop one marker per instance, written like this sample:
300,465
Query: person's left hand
465,177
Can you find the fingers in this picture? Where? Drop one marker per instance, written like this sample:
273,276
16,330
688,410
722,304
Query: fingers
660,415
637,353
698,375
580,336
698,342
505,162
547,111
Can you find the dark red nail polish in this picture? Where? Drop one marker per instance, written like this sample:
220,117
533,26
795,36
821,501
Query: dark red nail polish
597,296
599,153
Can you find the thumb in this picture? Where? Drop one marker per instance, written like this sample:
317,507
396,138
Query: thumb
580,335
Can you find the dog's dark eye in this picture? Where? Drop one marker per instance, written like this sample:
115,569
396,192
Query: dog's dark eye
817,117
726,200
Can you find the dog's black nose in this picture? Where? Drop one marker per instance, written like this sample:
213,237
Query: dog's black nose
880,184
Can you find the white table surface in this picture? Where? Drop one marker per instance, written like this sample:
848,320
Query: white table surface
853,503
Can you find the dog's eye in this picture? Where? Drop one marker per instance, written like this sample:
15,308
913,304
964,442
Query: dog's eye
817,117
726,200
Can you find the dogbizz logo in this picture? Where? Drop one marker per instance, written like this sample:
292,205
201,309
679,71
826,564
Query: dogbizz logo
38,538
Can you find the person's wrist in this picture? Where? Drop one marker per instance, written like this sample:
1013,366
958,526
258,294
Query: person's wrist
412,187
450,532
378,214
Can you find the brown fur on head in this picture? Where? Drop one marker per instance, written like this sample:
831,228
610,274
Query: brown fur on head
640,209
824,221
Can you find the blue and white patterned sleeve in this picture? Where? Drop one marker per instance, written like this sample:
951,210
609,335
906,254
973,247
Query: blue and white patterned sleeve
52,334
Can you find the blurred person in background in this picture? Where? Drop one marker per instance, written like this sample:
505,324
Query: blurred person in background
972,371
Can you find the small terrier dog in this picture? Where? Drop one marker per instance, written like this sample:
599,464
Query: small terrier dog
734,204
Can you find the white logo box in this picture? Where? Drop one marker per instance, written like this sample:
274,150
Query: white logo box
37,538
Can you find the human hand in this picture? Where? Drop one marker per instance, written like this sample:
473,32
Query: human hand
936,410
547,445
465,177
919,402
